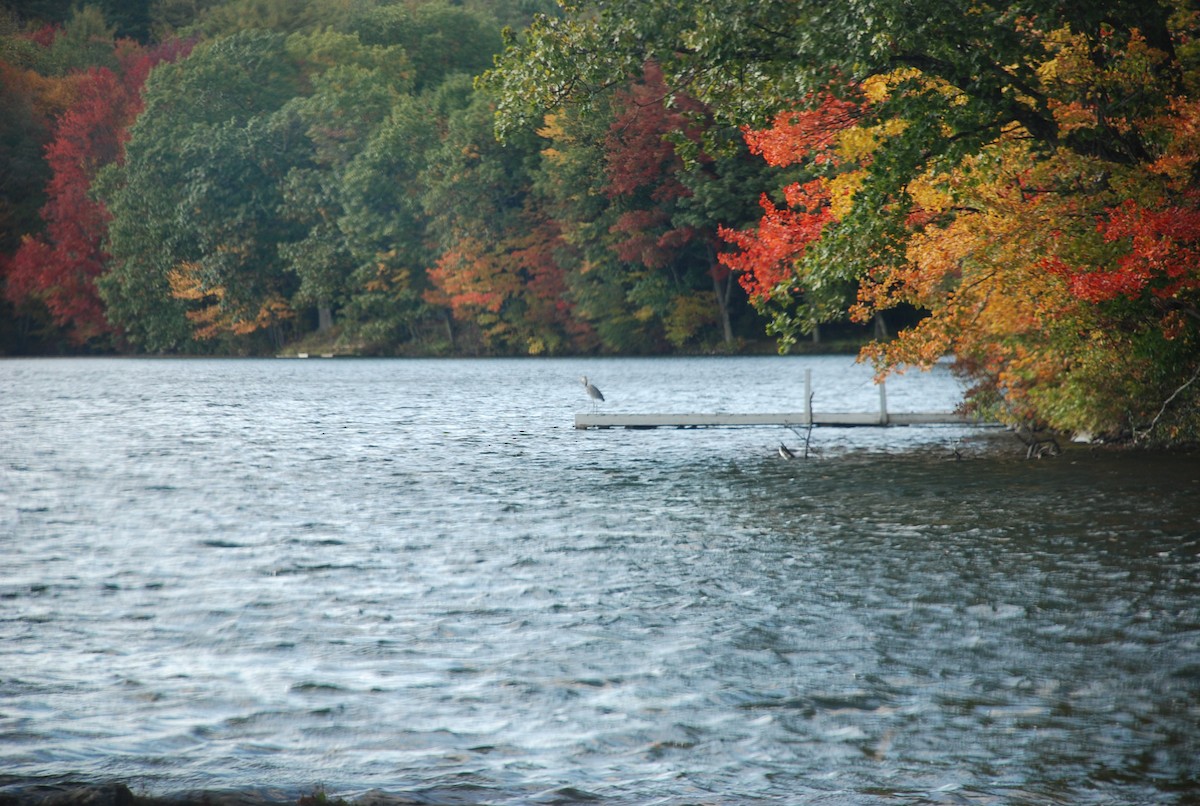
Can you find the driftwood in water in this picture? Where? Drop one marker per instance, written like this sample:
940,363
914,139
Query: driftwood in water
1039,443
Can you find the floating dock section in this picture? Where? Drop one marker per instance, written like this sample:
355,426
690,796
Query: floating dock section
806,418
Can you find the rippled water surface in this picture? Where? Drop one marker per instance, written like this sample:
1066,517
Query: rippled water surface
417,576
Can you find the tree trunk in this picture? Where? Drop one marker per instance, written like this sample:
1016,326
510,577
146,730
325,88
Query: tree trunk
881,331
324,318
722,294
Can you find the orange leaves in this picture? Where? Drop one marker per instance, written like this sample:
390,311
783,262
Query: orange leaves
214,318
1039,263
975,261
472,280
514,290
1102,82
185,283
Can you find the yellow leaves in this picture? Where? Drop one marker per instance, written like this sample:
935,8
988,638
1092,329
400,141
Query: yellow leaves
1069,59
856,143
1092,67
859,143
875,88
389,279
930,194
689,314
1102,80
854,146
554,131
552,128
215,317
975,263
878,88
938,255
841,192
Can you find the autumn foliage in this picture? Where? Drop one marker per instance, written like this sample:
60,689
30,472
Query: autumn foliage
1060,266
767,256
60,266
514,291
1161,261
1014,188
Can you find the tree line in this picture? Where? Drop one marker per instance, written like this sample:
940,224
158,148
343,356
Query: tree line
257,174
1013,186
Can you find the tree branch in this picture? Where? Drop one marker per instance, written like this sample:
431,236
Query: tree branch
1150,428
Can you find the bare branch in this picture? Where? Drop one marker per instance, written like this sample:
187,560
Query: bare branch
1162,410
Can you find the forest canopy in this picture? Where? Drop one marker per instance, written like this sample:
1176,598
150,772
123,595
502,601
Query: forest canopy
1010,187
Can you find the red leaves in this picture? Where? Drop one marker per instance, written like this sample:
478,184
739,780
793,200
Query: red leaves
805,135
643,172
1163,256
60,267
638,154
646,238
769,252
45,35
1096,286
1165,246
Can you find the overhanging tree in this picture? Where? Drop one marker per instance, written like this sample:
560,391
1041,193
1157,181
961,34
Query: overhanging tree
949,99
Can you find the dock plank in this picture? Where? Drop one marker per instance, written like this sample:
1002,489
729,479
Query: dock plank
584,420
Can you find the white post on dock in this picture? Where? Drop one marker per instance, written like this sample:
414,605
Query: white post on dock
808,396
883,415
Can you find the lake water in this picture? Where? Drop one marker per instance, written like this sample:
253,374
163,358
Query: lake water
417,576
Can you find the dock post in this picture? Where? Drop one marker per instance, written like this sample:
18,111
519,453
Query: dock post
883,415
808,396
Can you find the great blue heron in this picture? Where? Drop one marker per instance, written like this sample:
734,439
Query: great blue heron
592,391
785,453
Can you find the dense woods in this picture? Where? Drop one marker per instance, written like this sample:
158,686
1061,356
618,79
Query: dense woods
1012,186
255,175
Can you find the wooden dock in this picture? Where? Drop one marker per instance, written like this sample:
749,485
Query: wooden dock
797,419
804,419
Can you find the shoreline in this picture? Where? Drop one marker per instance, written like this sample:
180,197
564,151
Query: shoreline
118,794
